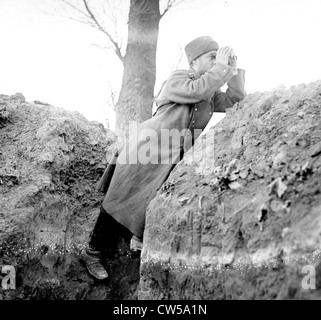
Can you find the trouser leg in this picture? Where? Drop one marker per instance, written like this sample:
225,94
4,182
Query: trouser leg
107,232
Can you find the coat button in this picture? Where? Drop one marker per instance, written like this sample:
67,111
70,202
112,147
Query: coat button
195,109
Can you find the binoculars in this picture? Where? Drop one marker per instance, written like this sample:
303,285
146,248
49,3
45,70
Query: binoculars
231,59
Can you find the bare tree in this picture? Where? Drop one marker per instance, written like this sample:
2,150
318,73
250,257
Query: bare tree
139,56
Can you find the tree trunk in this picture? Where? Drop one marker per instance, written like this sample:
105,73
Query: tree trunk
136,95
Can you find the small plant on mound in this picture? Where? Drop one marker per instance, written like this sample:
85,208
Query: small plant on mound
4,116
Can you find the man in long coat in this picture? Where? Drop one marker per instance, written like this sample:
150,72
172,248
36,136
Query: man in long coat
140,167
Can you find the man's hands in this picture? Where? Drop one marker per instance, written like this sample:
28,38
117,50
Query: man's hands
224,55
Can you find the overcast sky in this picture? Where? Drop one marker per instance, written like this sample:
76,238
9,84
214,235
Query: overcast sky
53,60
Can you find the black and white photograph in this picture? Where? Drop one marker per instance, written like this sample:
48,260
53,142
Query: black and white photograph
159,155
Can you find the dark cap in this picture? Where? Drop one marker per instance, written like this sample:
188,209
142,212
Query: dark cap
199,46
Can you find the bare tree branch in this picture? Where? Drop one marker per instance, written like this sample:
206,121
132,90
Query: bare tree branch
69,4
180,55
112,93
98,25
85,22
87,17
170,4
83,18
101,47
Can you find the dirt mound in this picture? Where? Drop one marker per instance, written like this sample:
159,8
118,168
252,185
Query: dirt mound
240,216
50,163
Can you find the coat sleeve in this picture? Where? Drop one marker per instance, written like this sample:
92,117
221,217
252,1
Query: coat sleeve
183,89
234,93
104,181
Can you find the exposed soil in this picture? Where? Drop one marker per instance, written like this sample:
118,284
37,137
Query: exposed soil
50,163
242,214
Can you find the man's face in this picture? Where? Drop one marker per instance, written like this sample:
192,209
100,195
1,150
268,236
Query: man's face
205,62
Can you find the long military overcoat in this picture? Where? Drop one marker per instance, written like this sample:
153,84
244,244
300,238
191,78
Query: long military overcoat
141,166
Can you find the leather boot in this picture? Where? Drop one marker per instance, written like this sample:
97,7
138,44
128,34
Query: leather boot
93,263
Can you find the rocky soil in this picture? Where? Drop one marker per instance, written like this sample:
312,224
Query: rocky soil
240,216
50,163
